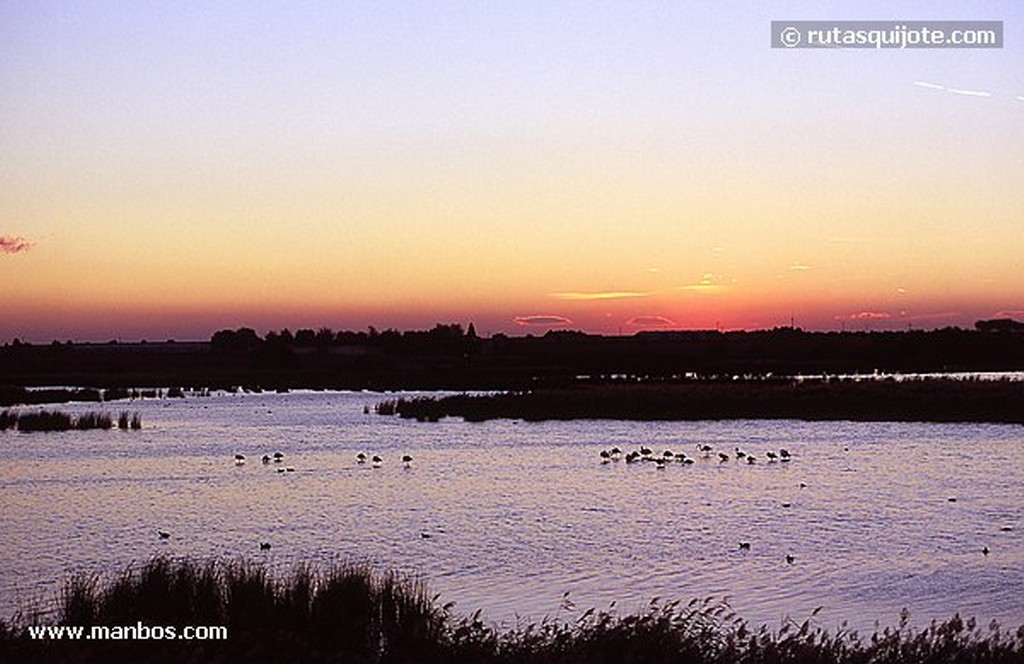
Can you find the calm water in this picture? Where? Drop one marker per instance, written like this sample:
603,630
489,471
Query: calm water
516,514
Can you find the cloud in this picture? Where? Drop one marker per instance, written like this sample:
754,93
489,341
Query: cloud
651,321
542,320
799,267
1008,313
605,295
10,244
709,283
865,315
942,315
850,239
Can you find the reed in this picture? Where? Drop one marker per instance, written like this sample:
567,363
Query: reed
128,420
8,419
926,400
46,420
348,612
93,420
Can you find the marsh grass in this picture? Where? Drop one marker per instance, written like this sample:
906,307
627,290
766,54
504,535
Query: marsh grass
46,420
351,613
126,420
924,400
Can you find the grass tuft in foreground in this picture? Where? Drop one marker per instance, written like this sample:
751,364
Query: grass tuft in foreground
350,613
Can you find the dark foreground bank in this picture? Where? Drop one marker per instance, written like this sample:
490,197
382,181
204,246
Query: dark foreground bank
351,614
922,400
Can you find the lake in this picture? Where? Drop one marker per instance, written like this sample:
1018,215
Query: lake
509,516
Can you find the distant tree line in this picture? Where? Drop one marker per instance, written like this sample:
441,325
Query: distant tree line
442,339
999,325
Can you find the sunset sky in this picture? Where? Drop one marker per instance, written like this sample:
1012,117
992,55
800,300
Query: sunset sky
170,169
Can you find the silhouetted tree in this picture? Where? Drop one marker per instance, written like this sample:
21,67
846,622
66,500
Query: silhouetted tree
241,340
324,337
305,337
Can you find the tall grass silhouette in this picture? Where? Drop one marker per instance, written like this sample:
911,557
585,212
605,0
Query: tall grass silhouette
350,613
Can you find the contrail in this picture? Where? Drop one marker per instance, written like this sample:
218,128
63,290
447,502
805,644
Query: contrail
969,93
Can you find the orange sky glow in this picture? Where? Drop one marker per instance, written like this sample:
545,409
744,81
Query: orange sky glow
167,173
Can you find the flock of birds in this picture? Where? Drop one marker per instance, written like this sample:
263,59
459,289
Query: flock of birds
266,459
361,458
278,457
642,454
376,461
645,454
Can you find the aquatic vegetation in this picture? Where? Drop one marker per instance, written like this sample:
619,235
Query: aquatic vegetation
925,400
128,420
349,612
46,420
11,396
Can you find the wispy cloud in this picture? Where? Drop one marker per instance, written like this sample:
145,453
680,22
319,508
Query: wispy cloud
10,244
865,315
650,321
799,267
709,283
853,239
941,315
604,295
542,320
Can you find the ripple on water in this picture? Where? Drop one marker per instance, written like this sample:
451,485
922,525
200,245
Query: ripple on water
518,515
